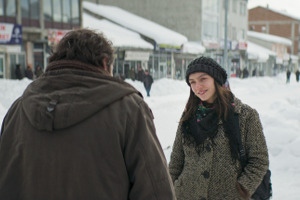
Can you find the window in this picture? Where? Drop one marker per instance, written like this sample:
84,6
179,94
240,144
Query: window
243,34
1,7
234,6
243,9
234,33
34,9
66,11
25,8
57,12
48,10
75,11
11,8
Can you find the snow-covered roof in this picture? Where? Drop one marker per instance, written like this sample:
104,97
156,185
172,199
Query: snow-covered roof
259,53
193,48
119,36
282,13
158,33
269,38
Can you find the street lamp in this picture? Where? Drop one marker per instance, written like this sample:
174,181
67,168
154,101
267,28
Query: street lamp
225,60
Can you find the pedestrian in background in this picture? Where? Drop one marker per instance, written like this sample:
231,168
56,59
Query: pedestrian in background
205,161
38,71
18,72
29,73
132,74
140,74
288,76
297,75
148,80
79,133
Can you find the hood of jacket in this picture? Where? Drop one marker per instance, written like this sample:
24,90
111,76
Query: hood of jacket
68,95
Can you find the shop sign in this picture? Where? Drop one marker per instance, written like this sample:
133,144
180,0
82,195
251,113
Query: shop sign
54,36
136,55
211,45
243,45
168,47
10,33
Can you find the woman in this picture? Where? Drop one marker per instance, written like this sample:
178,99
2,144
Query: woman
205,162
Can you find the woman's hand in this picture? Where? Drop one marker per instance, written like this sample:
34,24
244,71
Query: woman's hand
242,191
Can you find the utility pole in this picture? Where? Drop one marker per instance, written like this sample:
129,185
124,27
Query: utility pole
225,60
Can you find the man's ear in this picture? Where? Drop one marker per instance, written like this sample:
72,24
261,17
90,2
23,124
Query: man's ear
105,64
107,67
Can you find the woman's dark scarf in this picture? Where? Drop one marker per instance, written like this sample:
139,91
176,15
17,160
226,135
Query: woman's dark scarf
204,125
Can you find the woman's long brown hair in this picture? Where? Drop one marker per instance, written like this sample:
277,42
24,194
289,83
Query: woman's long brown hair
221,104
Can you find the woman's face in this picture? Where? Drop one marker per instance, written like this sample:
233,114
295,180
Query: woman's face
203,86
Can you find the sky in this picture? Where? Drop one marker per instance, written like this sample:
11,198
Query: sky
277,103
290,6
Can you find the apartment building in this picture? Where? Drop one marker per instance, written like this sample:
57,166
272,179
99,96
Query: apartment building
270,21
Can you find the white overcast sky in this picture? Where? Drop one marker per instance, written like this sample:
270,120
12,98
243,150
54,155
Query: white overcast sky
290,6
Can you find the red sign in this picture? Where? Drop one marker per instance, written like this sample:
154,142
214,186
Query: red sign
54,36
243,45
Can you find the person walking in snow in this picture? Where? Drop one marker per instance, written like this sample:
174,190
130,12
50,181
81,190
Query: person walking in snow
297,75
205,156
288,76
148,80
79,133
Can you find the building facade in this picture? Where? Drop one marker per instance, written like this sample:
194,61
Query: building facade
199,20
266,20
40,24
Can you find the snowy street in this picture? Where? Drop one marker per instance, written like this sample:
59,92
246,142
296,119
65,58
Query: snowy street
277,103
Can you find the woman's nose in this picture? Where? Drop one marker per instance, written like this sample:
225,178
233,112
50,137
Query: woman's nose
198,85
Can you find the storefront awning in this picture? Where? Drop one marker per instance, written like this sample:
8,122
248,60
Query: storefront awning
258,53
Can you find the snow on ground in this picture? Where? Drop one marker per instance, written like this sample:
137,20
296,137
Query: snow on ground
277,102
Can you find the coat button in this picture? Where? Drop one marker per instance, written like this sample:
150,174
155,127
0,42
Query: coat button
205,174
208,148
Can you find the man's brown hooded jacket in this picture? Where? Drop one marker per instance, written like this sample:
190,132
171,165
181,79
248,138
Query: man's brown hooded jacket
76,134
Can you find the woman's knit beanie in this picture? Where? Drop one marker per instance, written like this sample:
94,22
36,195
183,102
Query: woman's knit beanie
209,66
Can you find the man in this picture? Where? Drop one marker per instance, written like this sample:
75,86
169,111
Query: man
18,72
29,73
79,133
140,74
288,76
148,80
